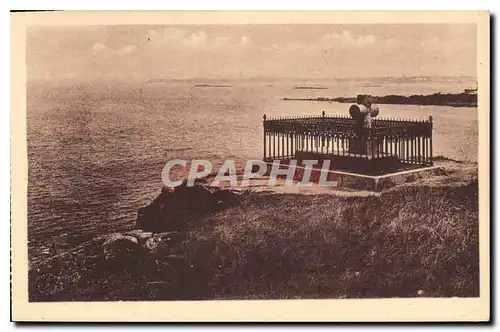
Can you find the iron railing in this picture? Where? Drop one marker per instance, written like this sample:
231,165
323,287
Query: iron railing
410,141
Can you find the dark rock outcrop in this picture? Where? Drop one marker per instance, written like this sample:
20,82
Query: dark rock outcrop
172,209
118,246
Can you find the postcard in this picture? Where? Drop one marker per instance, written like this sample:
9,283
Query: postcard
250,166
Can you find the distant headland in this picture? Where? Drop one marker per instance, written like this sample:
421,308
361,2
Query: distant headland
464,99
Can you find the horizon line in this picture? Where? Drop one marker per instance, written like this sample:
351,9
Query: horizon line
146,80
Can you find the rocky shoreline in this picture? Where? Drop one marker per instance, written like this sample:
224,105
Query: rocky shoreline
136,264
436,99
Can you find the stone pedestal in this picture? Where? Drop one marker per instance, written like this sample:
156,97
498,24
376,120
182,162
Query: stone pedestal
364,146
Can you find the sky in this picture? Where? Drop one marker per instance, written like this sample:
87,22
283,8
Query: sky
308,51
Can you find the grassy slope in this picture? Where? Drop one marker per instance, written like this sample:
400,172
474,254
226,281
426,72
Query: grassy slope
417,237
410,239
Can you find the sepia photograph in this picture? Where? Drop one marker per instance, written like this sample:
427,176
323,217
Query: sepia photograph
206,158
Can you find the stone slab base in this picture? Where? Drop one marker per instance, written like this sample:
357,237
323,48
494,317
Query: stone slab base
356,181
377,164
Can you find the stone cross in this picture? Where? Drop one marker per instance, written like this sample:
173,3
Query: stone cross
364,110
362,113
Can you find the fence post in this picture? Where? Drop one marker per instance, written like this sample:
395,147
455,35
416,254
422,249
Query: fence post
430,125
372,145
322,131
264,125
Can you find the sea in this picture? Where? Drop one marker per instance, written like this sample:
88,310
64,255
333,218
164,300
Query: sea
96,150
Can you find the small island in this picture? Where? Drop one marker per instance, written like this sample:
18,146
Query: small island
211,86
464,99
310,88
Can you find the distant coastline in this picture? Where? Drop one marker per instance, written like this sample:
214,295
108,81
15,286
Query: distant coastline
319,82
436,99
